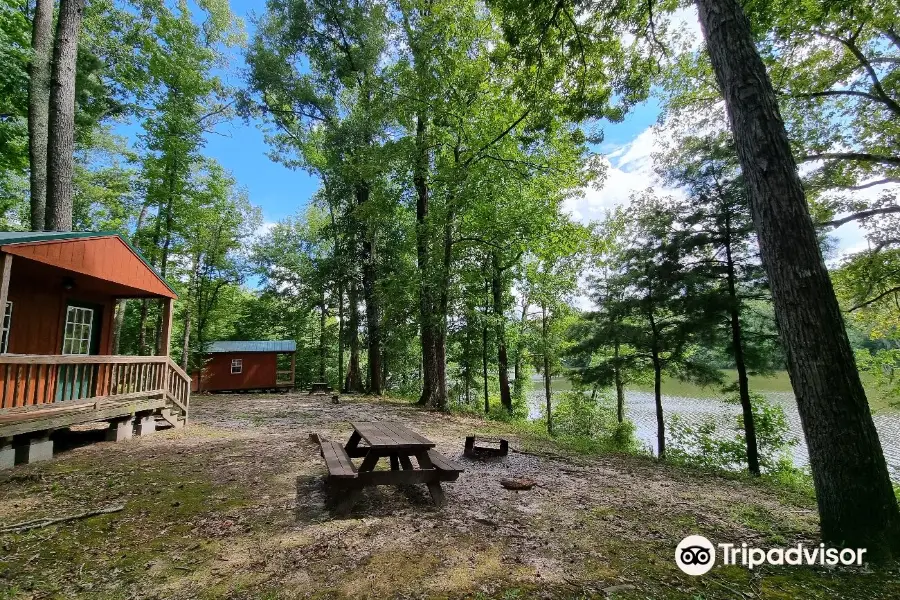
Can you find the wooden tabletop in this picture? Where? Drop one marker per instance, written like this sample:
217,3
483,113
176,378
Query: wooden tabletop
388,435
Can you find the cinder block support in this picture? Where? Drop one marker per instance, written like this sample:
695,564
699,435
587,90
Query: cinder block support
120,430
7,453
146,424
35,449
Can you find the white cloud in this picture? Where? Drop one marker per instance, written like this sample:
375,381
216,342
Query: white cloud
629,170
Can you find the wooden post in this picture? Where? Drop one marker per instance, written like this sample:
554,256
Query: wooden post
166,337
5,270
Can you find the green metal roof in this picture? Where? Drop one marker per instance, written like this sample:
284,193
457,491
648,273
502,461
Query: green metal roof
27,237
255,346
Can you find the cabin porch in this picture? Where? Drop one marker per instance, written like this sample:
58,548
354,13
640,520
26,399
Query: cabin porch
57,366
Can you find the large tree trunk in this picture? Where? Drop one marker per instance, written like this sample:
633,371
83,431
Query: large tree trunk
426,304
39,108
373,313
502,360
353,382
857,506
61,142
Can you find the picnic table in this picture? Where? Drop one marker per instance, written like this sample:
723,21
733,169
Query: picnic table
373,440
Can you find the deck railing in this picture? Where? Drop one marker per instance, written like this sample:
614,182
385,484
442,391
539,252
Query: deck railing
33,379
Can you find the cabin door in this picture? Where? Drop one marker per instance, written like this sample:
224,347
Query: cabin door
81,336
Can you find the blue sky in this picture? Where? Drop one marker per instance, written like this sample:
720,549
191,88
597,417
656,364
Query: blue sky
241,148
280,192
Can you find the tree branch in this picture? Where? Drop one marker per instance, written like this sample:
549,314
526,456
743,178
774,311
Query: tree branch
893,290
857,156
865,214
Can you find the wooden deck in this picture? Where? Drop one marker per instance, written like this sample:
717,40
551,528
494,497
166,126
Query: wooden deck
41,393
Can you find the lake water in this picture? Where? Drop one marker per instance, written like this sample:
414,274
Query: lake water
640,408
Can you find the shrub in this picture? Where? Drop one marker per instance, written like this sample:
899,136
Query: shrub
704,445
578,417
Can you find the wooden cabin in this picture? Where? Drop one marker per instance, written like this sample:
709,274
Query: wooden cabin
56,364
234,366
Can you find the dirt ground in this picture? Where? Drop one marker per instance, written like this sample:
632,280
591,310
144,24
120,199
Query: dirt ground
233,506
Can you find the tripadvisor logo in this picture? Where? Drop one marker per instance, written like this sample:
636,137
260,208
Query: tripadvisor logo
696,555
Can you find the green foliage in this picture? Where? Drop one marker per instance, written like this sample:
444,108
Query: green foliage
883,365
15,51
707,446
578,415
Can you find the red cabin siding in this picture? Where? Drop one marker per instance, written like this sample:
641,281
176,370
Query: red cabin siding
106,258
258,371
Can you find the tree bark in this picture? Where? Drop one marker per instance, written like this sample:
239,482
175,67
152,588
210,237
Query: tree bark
657,397
39,108
353,382
484,368
61,123
340,362
547,380
323,354
186,339
373,313
426,303
620,387
857,506
500,328
737,342
121,305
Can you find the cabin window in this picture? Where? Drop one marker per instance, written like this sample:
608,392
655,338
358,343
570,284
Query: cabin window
237,365
77,338
7,321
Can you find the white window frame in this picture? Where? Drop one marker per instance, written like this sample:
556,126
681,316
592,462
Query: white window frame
239,364
7,323
81,320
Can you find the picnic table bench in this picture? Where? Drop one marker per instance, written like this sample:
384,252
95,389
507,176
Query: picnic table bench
391,440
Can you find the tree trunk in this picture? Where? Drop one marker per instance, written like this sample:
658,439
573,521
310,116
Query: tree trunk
620,387
340,362
547,380
61,123
186,339
484,367
353,382
857,506
737,342
518,375
142,328
121,305
657,397
373,313
323,354
426,303
39,108
502,360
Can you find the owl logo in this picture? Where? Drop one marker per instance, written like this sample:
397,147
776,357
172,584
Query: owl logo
695,555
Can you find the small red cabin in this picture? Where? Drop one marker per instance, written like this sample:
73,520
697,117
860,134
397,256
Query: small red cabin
233,366
59,290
